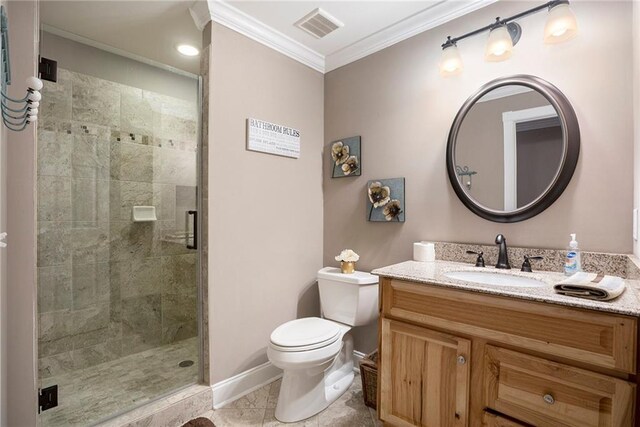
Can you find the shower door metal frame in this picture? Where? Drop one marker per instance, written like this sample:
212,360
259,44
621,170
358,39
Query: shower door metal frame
203,243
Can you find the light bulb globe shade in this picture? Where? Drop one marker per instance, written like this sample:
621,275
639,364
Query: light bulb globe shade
499,45
188,50
451,61
33,111
34,96
561,25
32,119
34,104
34,83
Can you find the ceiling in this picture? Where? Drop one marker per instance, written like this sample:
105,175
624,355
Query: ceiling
149,30
360,18
369,26
146,29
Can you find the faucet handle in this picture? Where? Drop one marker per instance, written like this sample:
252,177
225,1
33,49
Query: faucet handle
526,265
479,260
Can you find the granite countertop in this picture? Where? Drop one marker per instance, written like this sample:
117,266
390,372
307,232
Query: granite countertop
433,273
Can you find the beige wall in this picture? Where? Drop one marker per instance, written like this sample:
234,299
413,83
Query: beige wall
265,212
21,285
636,110
397,101
403,109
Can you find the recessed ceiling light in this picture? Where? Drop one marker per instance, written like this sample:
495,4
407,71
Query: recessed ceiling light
188,50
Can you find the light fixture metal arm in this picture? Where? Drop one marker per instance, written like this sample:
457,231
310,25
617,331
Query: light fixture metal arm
451,41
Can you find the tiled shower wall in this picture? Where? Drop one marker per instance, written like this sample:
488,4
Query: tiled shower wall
109,287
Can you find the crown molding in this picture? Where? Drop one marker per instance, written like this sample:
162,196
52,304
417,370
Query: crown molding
225,14
420,22
200,14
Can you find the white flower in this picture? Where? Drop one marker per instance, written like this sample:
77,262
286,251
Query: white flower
339,152
348,255
379,195
350,165
392,210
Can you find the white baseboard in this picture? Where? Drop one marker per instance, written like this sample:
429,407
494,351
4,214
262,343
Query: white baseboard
233,388
357,358
226,391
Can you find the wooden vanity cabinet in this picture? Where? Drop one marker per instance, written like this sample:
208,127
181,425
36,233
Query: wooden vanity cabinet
458,358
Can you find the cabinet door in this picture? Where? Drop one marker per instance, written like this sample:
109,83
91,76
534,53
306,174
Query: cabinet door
424,376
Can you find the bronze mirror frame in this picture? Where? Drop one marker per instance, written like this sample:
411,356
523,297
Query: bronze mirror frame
571,152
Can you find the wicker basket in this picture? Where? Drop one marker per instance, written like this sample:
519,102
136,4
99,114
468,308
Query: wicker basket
369,376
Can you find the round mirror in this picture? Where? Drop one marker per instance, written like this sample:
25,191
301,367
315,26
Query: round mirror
513,148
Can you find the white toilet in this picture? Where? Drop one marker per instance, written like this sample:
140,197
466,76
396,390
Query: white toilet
316,354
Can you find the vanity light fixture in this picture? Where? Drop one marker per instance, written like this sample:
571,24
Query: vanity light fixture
500,42
562,24
451,63
505,33
187,50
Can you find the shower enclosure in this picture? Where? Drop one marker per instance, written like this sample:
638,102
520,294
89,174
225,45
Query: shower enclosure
117,292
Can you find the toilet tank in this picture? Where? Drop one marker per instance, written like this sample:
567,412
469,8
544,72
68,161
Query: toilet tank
351,299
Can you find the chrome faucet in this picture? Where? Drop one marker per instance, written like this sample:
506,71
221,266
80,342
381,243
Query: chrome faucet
503,257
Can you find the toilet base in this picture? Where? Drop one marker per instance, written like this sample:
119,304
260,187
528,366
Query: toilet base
304,392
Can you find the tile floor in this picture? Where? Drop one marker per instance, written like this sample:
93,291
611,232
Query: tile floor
89,395
258,409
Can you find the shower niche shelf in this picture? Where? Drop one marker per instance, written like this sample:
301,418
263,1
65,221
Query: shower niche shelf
144,213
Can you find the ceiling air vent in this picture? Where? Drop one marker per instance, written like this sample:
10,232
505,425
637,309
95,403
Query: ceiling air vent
318,23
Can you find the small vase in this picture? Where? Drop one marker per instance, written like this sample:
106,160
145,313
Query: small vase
348,267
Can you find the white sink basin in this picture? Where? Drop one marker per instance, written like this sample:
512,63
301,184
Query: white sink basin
495,279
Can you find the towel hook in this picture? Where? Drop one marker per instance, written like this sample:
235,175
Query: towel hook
22,111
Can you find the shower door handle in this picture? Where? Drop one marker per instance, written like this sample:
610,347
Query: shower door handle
195,231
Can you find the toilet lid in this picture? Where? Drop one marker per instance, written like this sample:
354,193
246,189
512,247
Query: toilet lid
305,334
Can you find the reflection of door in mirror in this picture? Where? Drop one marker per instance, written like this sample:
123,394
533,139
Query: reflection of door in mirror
532,140
512,139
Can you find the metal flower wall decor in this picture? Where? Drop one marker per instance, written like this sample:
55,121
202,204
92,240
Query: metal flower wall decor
385,200
345,156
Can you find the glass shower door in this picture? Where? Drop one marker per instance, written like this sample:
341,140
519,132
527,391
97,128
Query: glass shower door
117,289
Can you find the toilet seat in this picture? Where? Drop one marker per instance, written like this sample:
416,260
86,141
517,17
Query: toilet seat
305,334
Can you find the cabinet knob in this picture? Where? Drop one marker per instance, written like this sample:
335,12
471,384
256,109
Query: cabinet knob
461,360
549,399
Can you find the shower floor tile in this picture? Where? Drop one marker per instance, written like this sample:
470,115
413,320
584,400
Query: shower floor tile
90,395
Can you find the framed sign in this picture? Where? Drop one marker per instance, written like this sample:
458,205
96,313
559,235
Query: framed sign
272,138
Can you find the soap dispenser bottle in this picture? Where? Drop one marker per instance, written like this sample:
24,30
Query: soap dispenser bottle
572,261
